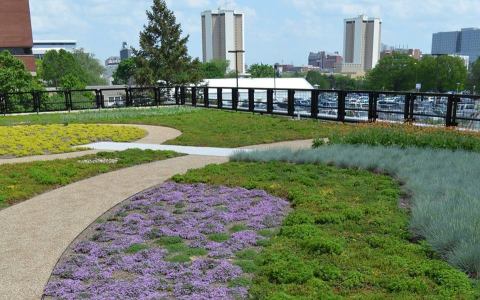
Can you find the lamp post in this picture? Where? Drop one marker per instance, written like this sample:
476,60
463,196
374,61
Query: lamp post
275,70
236,61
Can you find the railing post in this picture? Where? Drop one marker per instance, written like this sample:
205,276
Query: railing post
177,95
206,96
128,100
234,98
291,103
452,106
406,109
412,108
341,106
194,96
251,100
270,101
2,104
448,117
36,102
220,98
68,100
372,107
456,100
314,104
156,93
183,95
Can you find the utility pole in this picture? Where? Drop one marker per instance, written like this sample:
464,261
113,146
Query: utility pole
236,61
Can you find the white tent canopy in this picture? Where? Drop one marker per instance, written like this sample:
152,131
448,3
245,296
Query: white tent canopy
260,83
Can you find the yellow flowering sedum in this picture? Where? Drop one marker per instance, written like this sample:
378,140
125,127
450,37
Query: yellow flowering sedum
16,141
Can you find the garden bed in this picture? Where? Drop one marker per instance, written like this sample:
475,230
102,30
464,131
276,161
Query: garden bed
18,141
174,241
202,127
19,182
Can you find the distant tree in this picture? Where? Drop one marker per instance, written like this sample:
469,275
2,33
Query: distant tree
474,78
14,76
343,82
395,72
442,73
261,71
215,69
125,72
92,70
318,79
163,53
57,64
71,82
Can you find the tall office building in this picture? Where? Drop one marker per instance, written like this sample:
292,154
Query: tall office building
16,31
465,43
125,52
223,31
362,42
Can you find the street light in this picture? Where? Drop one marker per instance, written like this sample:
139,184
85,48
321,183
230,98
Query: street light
236,61
275,70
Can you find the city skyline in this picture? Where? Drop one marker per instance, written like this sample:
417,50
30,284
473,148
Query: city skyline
270,31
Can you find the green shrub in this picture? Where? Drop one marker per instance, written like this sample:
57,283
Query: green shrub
303,231
322,245
299,217
285,267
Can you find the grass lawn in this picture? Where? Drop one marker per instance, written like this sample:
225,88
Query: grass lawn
202,127
345,238
19,182
16,141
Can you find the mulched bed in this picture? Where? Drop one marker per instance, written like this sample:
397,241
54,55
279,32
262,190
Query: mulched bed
175,241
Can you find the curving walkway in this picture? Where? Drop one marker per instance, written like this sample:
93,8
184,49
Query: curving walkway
155,135
34,233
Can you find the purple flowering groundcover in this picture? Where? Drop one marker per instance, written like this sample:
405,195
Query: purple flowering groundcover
176,241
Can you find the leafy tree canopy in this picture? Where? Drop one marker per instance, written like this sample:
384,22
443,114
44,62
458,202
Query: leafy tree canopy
59,64
215,69
163,53
474,79
341,82
261,71
125,72
14,76
394,72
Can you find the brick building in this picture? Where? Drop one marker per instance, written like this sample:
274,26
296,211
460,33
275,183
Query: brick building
16,30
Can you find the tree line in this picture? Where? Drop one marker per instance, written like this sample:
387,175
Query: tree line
163,57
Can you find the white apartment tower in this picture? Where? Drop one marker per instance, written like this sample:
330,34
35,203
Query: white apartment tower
362,43
223,31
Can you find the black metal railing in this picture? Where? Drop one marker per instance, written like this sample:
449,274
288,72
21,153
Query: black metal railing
337,105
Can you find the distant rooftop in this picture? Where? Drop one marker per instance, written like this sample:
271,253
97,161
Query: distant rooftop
265,83
54,42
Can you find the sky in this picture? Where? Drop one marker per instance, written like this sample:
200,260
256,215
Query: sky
283,31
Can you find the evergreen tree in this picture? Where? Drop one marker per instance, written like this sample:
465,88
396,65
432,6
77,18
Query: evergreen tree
163,53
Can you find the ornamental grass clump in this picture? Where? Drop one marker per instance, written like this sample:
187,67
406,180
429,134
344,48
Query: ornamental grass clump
445,206
147,250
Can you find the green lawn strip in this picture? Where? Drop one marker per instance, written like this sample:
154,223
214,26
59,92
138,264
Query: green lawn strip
19,182
346,237
202,127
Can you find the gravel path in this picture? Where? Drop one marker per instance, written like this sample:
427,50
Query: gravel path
34,233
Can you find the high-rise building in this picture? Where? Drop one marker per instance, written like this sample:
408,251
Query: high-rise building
325,61
125,52
465,43
40,47
414,53
223,31
362,42
16,31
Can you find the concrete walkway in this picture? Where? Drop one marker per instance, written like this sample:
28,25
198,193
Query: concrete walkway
34,233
